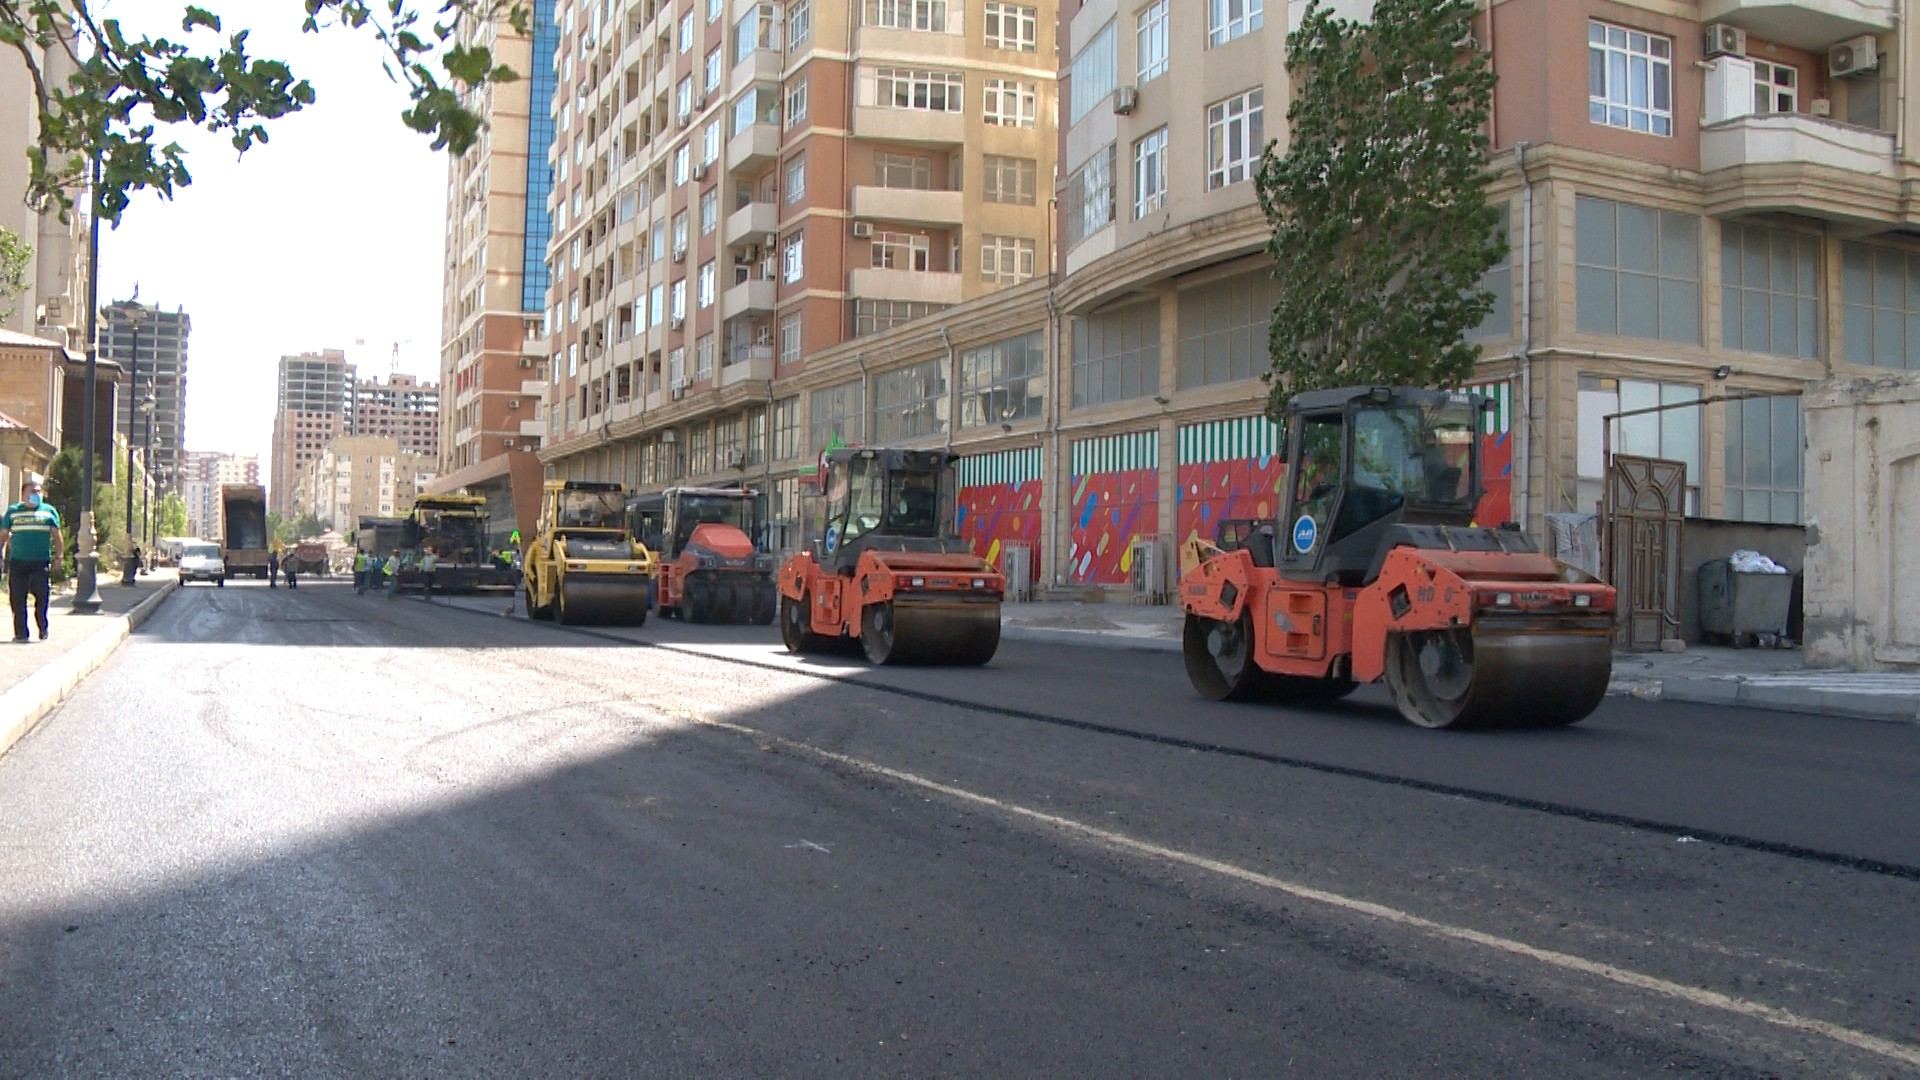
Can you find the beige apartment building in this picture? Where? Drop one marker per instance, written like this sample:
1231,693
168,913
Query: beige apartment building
1714,202
362,476
202,474
54,305
746,193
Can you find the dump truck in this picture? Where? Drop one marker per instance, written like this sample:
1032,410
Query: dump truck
306,557
454,527
243,529
1374,570
887,570
710,568
583,565
380,537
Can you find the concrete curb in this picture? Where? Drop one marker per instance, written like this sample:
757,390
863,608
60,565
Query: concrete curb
1795,699
1088,639
28,701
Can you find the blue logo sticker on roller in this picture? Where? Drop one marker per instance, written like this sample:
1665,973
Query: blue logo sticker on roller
1305,532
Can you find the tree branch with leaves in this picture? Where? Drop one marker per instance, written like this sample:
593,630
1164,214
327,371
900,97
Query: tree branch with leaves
127,90
1381,227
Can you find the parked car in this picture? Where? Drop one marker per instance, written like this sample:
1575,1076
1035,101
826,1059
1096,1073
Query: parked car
202,562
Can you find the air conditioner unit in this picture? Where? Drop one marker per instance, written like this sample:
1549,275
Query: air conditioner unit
669,436
680,254
1853,56
513,403
768,240
686,118
679,323
1724,40
736,459
1820,107
1125,99
679,391
862,230
700,171
506,444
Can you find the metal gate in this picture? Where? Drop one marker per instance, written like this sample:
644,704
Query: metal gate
1645,503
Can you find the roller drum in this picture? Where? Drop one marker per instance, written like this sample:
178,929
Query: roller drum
1495,677
913,629
602,600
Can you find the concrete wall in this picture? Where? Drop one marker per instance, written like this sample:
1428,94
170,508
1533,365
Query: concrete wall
1863,512
1703,540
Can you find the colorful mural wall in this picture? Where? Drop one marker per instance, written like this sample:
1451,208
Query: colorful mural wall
1496,456
1115,482
1228,469
1000,504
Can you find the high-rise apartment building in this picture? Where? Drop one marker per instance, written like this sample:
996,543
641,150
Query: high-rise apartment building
54,304
740,187
316,393
493,349
202,473
150,346
362,475
400,407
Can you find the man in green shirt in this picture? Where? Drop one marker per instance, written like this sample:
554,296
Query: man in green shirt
29,542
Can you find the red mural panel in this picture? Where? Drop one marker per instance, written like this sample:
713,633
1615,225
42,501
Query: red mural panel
1211,491
1109,510
991,516
1496,480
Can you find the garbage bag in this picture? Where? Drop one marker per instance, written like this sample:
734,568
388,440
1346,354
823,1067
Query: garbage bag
1752,562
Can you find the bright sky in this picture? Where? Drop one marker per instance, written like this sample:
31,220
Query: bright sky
327,237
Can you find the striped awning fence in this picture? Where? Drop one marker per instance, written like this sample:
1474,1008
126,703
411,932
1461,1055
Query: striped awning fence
1229,440
1001,467
1116,453
1500,420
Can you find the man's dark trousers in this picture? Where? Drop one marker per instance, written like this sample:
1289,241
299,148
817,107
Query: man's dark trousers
26,579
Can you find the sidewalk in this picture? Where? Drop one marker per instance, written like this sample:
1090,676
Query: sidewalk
1771,679
36,677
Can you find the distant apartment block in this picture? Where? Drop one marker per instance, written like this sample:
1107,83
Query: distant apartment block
150,348
362,476
399,407
202,473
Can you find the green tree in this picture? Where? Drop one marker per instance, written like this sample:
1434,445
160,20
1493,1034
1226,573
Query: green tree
130,89
170,516
310,525
279,528
1381,226
15,256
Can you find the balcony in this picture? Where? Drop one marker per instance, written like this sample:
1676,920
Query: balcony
745,363
753,148
750,224
1804,164
908,204
1803,24
915,285
533,388
534,428
910,125
763,65
748,297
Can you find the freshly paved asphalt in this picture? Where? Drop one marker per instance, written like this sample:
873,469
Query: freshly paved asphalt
323,834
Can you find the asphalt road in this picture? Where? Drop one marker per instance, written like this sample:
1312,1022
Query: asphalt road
321,834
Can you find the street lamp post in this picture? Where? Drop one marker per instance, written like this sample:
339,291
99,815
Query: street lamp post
133,315
86,595
148,406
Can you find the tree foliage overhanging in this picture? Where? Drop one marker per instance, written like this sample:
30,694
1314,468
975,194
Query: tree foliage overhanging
1382,229
129,89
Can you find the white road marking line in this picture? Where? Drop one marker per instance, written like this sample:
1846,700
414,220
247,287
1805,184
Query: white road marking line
1904,1053
811,846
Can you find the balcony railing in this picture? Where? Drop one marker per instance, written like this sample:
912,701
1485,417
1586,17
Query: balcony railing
1796,138
909,204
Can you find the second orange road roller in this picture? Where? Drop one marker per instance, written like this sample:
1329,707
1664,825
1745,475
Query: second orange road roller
1374,569
887,570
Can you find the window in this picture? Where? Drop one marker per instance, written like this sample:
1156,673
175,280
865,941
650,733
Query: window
1880,291
1230,19
1006,260
1765,449
699,448
1010,180
656,305
712,81
1638,271
795,179
756,426
786,428
677,366
710,144
1223,329
908,14
1498,280
1149,174
835,413
703,357
682,163
924,91
911,402
715,8
793,258
683,97
1673,434
1089,202
1092,73
759,28
799,22
1235,138
796,103
1629,79
1012,26
706,285
680,232
1116,355
790,338
680,300
875,316
686,32
757,106
1003,382
900,251
902,171
1150,41
1774,88
1010,103
709,210
1769,291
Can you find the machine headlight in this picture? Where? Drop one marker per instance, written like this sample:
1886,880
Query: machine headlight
918,583
1583,600
576,566
979,583
1503,599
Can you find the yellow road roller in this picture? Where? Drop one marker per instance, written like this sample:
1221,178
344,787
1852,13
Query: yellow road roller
583,565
